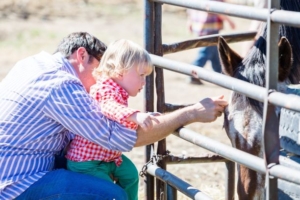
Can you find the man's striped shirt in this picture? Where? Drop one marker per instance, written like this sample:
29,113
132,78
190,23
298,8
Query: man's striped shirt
42,101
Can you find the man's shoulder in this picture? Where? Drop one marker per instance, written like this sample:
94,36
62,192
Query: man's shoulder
44,67
41,61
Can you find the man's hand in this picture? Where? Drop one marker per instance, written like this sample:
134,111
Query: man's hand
208,109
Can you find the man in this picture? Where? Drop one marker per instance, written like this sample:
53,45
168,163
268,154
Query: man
44,99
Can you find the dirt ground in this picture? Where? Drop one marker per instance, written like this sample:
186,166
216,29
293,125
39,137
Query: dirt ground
28,27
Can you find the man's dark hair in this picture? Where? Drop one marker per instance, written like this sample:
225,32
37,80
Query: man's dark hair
72,42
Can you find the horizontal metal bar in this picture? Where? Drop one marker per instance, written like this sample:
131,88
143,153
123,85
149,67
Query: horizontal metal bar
285,173
247,12
225,151
176,182
289,101
220,7
242,87
238,156
171,107
286,17
171,159
209,40
252,91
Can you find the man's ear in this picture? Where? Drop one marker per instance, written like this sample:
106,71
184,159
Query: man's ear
82,55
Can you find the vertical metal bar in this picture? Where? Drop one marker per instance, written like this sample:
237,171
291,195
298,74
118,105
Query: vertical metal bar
161,187
230,180
171,193
149,87
270,120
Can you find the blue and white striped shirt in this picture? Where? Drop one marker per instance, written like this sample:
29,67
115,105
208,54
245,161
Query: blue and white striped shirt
41,102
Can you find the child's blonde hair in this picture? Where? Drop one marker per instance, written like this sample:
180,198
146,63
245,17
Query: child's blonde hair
120,56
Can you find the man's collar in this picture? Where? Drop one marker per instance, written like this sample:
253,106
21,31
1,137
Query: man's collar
65,64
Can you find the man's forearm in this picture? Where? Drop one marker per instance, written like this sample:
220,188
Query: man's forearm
207,110
168,123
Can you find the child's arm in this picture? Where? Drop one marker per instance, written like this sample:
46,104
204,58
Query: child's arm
112,104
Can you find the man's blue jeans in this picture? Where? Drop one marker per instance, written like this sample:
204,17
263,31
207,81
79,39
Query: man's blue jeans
64,184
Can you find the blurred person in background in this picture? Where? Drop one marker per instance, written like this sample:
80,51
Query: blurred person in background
201,23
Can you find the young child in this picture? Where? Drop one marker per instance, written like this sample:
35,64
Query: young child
202,23
121,74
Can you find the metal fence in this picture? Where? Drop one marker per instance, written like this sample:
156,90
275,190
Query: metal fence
167,183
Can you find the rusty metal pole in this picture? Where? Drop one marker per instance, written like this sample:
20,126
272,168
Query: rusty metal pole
161,187
149,87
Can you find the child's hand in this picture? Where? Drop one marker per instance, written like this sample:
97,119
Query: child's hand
145,120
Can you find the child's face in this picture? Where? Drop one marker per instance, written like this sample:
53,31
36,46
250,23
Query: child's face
133,80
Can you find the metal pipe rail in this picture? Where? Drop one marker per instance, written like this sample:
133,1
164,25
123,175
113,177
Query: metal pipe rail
172,107
253,91
238,156
277,16
171,159
209,40
175,182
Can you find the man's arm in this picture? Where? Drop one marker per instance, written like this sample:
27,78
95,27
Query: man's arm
73,108
206,110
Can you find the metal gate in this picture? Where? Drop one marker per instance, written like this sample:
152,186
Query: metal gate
166,183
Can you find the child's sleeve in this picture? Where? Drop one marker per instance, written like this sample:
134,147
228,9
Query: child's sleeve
113,105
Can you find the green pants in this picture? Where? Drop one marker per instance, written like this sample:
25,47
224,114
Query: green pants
126,173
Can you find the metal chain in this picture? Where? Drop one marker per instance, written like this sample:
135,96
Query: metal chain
154,159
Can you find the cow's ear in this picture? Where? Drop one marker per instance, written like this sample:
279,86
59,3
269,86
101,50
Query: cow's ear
230,60
285,58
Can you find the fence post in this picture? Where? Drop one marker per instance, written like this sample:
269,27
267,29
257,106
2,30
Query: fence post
149,86
270,119
230,180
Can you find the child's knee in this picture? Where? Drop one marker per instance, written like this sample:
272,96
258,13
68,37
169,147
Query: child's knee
134,173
